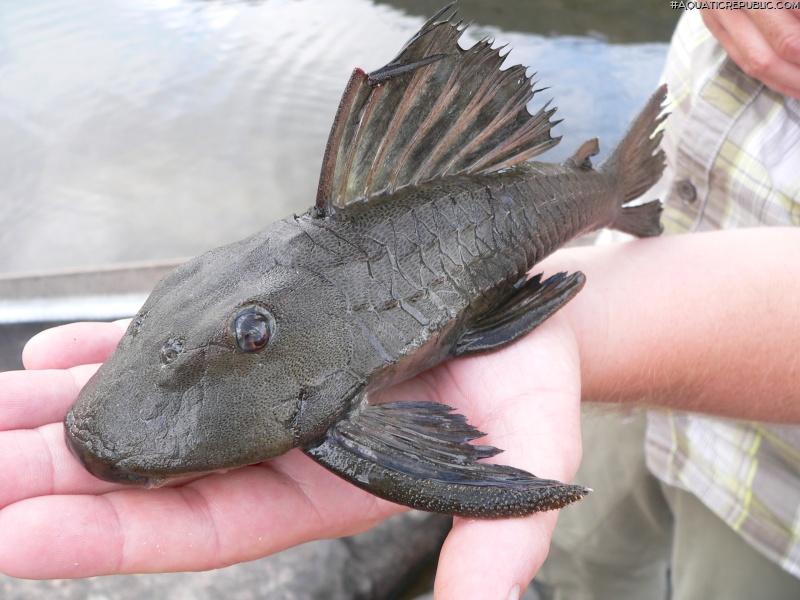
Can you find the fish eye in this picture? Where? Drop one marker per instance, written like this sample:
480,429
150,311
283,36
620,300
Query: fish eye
252,327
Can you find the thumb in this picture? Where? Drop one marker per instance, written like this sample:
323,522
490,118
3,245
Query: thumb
493,560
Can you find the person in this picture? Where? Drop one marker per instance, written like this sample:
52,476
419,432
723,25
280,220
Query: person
626,338
688,505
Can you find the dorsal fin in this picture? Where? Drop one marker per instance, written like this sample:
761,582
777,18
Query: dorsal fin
435,110
583,155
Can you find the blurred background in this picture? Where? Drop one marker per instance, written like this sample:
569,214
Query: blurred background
137,133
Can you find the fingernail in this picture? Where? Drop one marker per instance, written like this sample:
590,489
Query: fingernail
514,593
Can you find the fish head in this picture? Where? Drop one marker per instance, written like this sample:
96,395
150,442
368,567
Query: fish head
228,363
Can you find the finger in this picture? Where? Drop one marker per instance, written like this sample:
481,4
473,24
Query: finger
781,29
29,399
37,462
749,49
537,422
74,344
532,409
774,57
215,521
492,560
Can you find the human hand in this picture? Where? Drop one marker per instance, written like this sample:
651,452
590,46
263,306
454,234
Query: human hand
56,520
764,43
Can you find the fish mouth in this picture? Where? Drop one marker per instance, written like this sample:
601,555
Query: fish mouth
105,471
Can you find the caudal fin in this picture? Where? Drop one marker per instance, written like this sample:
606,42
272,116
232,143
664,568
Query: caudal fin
640,166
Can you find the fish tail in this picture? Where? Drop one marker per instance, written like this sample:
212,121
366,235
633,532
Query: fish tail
639,165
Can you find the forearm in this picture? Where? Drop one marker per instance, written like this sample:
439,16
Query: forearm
705,322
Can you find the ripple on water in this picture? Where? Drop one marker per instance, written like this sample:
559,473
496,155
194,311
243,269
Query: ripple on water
135,131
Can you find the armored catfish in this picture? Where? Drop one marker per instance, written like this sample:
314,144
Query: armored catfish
428,217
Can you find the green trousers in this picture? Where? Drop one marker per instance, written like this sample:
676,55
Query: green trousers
639,539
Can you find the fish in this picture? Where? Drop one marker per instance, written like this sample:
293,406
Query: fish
429,216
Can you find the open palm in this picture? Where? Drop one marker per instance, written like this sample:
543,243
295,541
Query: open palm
58,521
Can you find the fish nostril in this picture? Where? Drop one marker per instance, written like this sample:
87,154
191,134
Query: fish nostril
171,349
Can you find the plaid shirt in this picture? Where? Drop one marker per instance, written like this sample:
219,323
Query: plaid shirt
733,148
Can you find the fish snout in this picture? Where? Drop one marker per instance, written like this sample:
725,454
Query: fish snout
100,468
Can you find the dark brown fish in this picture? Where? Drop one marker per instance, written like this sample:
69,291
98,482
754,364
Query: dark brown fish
427,221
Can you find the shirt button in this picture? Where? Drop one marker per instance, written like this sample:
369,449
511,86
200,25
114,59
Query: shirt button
686,191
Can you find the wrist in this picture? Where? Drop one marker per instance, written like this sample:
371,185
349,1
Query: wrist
585,318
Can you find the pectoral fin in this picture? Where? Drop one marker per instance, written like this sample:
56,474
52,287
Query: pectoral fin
418,454
527,307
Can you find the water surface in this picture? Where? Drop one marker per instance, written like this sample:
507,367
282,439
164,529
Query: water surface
155,130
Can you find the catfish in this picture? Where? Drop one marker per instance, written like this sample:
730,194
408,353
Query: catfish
428,217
